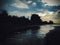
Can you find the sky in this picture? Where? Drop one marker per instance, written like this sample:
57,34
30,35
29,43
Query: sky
44,8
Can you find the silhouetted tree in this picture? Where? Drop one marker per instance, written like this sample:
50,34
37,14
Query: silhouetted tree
45,22
50,22
35,19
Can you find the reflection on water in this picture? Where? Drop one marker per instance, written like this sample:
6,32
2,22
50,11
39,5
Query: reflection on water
33,36
44,29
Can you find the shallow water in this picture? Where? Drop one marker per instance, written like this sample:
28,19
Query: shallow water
33,36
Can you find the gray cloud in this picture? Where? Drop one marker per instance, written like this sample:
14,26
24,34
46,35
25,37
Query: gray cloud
51,2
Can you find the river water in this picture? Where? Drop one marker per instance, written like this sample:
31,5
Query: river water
33,36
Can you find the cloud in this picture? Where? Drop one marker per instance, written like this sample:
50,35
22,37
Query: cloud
57,14
45,12
41,14
19,4
15,3
51,2
27,7
29,2
53,16
34,4
52,8
51,5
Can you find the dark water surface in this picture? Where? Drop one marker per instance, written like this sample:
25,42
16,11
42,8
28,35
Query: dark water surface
33,36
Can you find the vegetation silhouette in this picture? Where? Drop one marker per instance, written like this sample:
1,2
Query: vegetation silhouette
50,22
10,24
53,37
35,19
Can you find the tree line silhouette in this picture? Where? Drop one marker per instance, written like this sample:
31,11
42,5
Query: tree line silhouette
35,19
